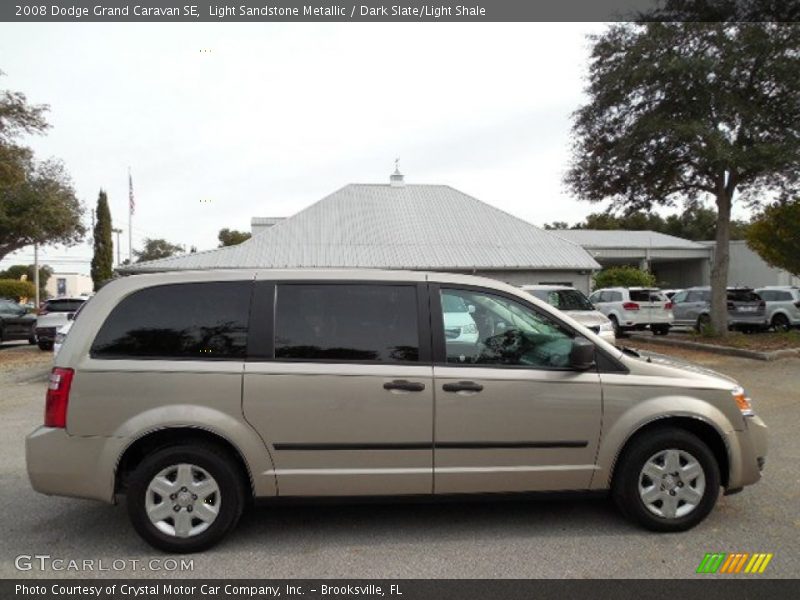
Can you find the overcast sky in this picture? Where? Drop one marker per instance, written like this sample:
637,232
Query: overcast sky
220,122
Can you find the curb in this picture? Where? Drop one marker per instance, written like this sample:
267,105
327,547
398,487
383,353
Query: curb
740,352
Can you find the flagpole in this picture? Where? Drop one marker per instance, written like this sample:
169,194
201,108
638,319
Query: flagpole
130,217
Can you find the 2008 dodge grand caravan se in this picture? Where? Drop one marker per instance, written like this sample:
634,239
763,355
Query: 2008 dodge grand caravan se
192,393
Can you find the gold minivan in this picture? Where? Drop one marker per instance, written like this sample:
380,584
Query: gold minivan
193,393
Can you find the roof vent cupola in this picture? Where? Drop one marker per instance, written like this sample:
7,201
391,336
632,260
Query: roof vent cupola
396,178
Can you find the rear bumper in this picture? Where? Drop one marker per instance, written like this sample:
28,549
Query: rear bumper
749,456
739,320
66,465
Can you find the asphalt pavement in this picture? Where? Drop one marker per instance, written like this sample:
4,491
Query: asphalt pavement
552,537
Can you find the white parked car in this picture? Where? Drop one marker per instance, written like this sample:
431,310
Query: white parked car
459,326
53,315
635,308
576,305
61,335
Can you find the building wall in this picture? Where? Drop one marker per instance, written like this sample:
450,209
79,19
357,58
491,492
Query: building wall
522,277
69,284
747,268
682,274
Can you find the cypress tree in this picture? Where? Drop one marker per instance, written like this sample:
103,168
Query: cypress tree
103,259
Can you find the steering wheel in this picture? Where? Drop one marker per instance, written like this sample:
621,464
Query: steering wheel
507,344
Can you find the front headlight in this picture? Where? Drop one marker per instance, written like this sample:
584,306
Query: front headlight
607,326
743,401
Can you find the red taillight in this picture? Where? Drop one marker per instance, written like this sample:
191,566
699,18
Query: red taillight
797,304
668,306
630,306
55,409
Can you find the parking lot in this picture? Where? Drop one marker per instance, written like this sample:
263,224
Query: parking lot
551,537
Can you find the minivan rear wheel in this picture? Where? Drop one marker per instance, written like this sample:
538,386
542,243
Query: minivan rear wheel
185,498
667,480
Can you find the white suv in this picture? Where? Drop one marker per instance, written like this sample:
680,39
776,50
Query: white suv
783,306
635,308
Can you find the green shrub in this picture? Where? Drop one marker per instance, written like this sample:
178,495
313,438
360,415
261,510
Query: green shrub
16,289
624,277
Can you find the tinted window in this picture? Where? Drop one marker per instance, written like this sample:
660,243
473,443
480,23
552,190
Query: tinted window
743,296
358,322
783,296
500,331
646,296
189,320
63,305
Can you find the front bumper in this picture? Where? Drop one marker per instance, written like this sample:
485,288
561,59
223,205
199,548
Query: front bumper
67,465
750,454
46,334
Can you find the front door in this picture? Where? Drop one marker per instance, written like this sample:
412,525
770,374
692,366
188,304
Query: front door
344,397
511,415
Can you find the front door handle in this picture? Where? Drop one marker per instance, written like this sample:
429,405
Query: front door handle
462,386
402,384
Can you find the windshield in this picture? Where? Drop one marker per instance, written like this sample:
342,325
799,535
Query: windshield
564,299
63,305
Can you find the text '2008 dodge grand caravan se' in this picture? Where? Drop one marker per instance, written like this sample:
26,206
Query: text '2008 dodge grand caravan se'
192,393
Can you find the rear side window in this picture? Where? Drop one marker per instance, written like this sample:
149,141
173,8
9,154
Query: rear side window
348,322
198,321
698,296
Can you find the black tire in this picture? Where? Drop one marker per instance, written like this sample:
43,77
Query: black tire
45,346
615,325
660,329
703,321
780,322
32,340
625,486
213,459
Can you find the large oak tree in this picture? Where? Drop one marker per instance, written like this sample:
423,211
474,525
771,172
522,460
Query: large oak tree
684,111
37,201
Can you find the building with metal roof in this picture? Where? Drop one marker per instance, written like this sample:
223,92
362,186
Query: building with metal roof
400,226
676,262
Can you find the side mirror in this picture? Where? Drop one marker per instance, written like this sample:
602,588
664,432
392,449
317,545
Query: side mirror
581,357
70,316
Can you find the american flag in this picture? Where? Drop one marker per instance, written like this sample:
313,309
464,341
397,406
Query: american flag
131,201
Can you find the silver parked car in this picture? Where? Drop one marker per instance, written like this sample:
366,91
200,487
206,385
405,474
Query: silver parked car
746,309
635,308
782,306
575,302
193,393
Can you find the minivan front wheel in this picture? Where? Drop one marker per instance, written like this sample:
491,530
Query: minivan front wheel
667,480
185,498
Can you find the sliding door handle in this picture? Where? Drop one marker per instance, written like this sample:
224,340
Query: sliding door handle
462,386
402,384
